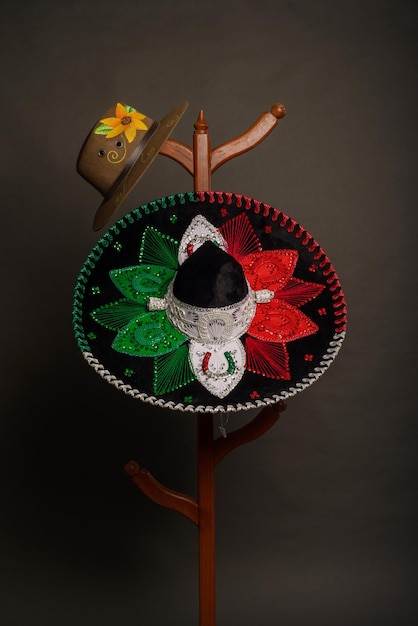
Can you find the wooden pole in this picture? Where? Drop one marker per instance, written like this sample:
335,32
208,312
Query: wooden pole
206,524
202,511
205,438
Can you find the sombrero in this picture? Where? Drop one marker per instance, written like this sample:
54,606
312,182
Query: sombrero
207,302
119,149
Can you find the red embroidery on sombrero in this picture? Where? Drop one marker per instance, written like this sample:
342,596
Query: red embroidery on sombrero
281,322
240,237
270,269
267,359
205,362
298,292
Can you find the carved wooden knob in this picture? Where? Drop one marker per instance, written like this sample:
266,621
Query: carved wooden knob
278,110
132,468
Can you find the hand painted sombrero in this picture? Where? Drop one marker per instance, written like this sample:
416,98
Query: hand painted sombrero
207,302
118,151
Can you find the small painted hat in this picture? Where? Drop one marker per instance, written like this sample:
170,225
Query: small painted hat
208,302
118,151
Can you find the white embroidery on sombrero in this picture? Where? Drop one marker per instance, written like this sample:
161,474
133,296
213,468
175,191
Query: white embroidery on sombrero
218,367
263,295
217,324
198,232
327,359
156,304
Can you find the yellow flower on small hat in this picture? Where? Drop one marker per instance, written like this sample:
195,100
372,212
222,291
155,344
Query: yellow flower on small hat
127,120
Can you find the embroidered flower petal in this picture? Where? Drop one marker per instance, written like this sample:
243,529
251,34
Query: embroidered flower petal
198,232
270,269
117,130
158,249
118,314
137,120
130,132
298,292
111,121
218,367
240,237
150,334
172,371
121,110
267,359
139,282
280,322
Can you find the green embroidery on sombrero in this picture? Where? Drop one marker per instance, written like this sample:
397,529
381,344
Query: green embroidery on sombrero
172,371
150,334
158,249
166,253
140,282
117,315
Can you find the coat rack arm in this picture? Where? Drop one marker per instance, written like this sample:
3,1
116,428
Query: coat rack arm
250,138
160,494
180,152
260,424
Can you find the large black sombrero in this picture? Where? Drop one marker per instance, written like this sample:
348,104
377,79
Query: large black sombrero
208,301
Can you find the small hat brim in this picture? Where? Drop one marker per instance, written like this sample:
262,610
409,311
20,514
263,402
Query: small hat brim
110,204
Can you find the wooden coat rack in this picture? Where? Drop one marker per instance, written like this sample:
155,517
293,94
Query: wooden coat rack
200,161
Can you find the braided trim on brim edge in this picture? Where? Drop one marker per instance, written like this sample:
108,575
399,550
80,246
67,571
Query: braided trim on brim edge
326,360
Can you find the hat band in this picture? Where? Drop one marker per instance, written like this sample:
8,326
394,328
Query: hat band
132,159
213,325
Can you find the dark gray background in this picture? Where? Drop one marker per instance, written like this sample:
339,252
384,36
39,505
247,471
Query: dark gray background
317,520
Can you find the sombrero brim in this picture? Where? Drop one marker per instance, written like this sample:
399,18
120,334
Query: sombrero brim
291,342
110,204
